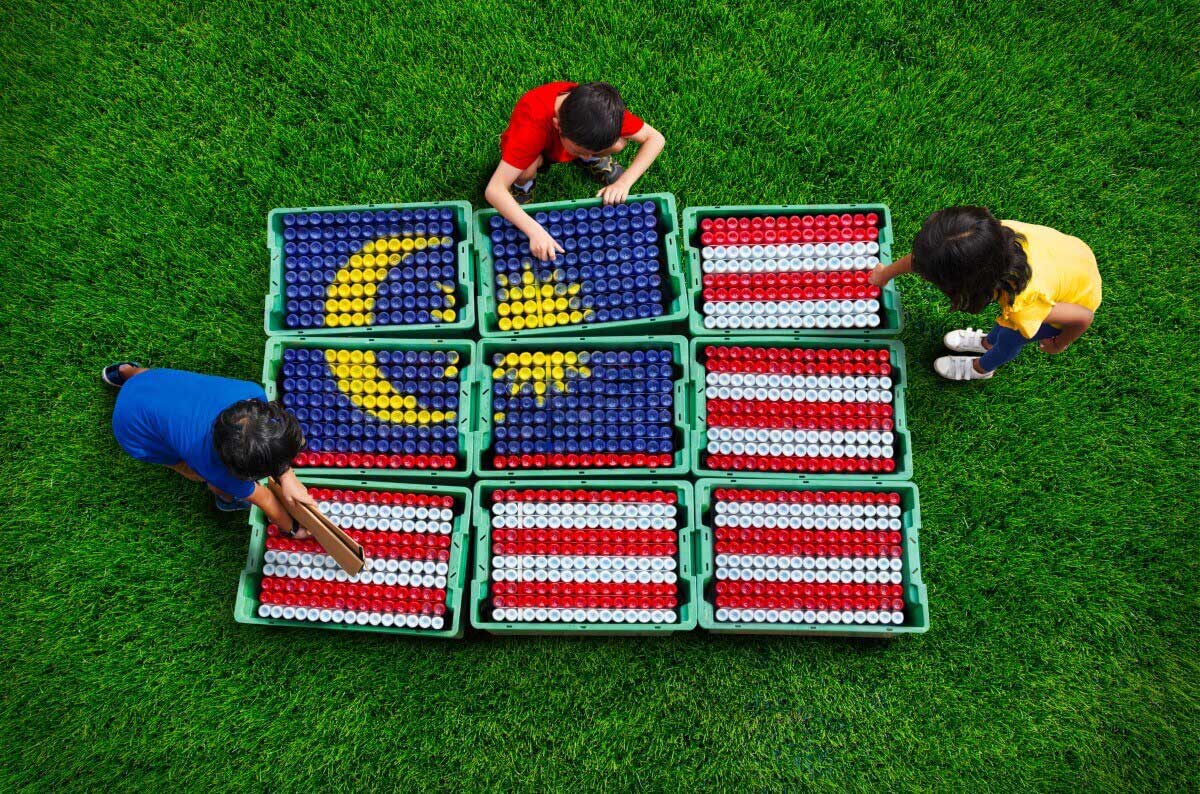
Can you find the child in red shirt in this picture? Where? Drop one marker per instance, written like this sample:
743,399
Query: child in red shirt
561,123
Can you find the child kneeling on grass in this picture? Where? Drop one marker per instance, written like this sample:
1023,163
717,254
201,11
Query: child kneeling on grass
562,123
1046,282
214,430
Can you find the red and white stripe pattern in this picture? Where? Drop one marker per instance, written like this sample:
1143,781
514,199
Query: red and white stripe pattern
584,556
798,409
406,538
808,557
799,271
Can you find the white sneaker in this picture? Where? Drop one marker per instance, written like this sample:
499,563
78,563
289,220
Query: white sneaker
959,368
965,340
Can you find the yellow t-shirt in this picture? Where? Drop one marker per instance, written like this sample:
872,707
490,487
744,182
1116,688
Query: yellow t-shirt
1063,271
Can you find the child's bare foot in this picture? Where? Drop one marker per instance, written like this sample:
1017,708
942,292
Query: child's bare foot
967,340
960,368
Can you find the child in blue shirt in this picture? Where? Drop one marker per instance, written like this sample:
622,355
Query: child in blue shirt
214,430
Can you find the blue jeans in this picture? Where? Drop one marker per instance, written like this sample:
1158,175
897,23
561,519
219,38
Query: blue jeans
1007,343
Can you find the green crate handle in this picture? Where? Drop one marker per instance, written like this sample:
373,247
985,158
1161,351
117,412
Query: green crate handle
893,315
491,345
272,361
699,412
463,321
688,575
916,593
246,602
675,280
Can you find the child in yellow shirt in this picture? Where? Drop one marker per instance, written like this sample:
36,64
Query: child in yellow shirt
1046,282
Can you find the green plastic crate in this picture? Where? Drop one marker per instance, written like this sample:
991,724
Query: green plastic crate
688,581
891,317
273,359
273,317
483,397
903,440
915,595
245,608
674,283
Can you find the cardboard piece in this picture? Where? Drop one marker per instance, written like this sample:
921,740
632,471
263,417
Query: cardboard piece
336,543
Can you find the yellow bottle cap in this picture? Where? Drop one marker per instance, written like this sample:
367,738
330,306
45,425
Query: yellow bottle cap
505,324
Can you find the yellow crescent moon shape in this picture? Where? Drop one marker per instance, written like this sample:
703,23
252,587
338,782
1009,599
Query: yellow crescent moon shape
375,395
350,299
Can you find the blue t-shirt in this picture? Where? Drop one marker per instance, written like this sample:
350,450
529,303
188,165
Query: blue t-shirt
166,416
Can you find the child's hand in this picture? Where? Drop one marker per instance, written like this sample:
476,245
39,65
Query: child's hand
880,276
294,493
543,246
1053,345
616,193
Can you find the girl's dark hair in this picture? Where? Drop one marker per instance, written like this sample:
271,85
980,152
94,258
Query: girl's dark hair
967,254
591,116
256,439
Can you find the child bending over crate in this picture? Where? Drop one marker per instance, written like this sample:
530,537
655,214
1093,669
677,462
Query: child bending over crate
567,123
213,430
1046,282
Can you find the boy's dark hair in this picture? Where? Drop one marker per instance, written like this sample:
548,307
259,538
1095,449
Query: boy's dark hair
967,254
591,116
256,439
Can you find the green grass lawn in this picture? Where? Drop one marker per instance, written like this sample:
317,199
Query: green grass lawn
141,146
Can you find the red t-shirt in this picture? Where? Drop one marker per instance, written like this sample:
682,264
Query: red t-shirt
531,130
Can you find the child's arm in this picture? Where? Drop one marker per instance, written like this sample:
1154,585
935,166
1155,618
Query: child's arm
541,244
277,514
882,274
1073,319
650,144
